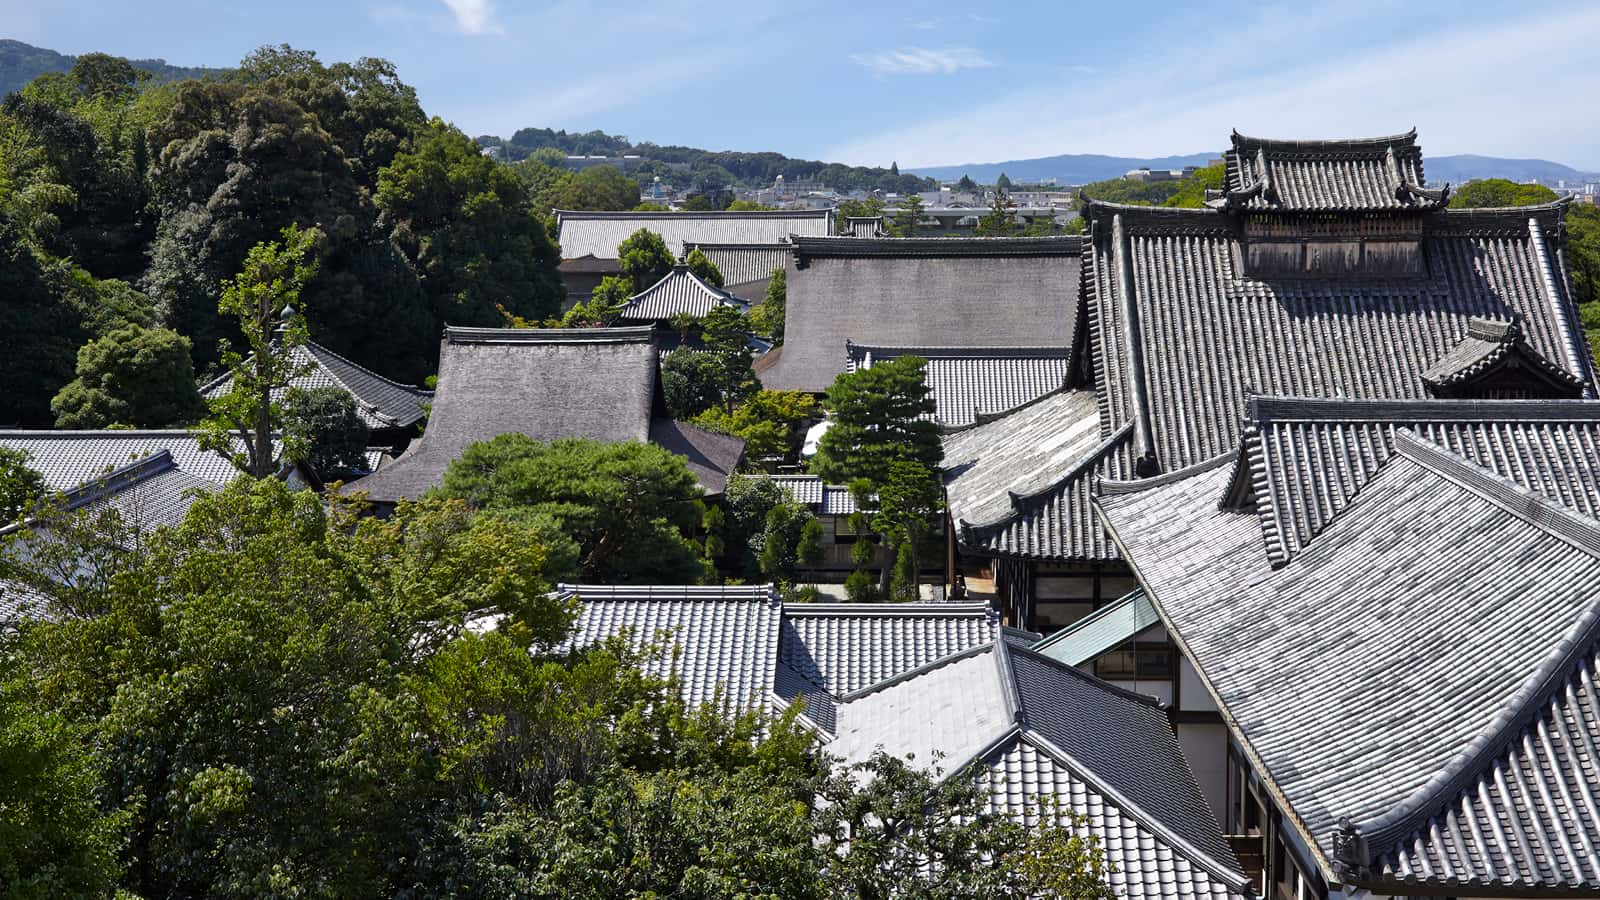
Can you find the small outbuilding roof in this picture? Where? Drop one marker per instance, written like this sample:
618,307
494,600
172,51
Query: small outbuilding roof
679,292
1338,176
598,234
970,383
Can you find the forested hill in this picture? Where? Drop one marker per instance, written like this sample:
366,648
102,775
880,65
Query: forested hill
707,168
21,63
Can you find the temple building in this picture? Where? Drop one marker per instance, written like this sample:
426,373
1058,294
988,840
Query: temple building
1323,269
970,293
1391,605
548,383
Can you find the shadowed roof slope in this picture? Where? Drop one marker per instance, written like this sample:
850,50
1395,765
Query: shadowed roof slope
933,292
1443,625
381,402
68,458
595,383
598,234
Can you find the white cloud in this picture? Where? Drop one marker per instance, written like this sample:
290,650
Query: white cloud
474,16
922,60
1182,102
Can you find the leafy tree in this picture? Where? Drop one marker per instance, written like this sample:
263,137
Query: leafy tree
1191,191
468,227
644,258
139,377
1000,220
726,335
599,188
39,337
881,415
748,206
606,303
20,485
689,383
767,316
627,505
869,208
321,427
703,268
544,181
1583,246
771,423
1498,192
262,298
966,184
746,502
909,216
55,839
875,827
247,674
783,539
1002,184
908,500
894,168
697,203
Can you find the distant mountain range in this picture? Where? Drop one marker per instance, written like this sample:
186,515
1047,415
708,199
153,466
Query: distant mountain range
1083,168
21,63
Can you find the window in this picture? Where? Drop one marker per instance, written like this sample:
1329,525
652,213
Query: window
1143,661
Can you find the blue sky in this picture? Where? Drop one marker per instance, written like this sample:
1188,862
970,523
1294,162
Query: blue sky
926,83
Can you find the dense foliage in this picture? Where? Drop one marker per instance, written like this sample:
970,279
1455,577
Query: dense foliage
322,427
1186,192
134,376
1498,192
126,200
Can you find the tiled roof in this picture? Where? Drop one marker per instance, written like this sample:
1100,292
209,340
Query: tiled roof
680,292
711,456
1178,354
380,402
1302,461
67,459
950,292
1493,344
1037,729
1019,485
864,226
742,264
147,493
824,499
1327,176
726,637
546,383
598,234
844,647
1443,625
1105,629
970,382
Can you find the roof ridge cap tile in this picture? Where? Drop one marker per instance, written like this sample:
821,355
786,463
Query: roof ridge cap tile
1377,142
1268,409
884,610
313,348
981,419
694,214
917,672
1117,487
456,334
1236,880
1548,516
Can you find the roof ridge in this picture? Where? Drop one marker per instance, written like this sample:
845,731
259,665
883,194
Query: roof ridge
1234,879
1547,515
1264,410
313,347
1377,143
744,593
887,610
1007,352
1117,487
909,674
1525,704
114,480
980,418
846,246
97,432
694,214
1017,501
457,334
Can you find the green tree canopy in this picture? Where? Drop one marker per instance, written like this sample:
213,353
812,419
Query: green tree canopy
599,188
39,336
908,217
468,227
644,258
703,268
20,484
321,427
771,423
628,506
1002,183
767,316
140,377
880,415
1498,192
